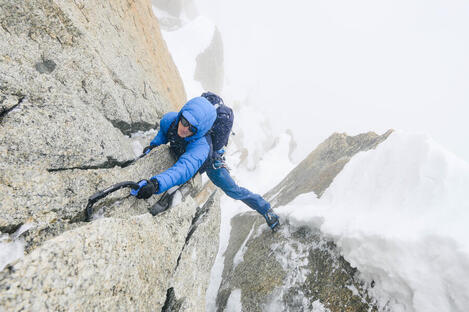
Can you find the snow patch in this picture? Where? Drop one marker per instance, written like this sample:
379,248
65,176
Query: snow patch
319,307
239,257
399,214
234,302
144,134
137,148
229,209
139,138
12,246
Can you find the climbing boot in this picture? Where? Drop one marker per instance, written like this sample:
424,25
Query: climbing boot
272,220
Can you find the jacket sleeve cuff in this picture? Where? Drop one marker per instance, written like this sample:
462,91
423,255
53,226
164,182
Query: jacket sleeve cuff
162,186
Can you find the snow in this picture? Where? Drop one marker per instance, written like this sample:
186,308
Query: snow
137,148
399,214
319,307
239,257
9,250
185,45
12,246
177,197
234,302
293,256
230,208
140,139
144,134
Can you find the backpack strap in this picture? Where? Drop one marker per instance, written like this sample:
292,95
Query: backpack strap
210,158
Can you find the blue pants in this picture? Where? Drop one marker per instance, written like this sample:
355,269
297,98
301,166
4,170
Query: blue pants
221,178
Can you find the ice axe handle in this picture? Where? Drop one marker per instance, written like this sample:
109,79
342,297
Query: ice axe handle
147,150
101,194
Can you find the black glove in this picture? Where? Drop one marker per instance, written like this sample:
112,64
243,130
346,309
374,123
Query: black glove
147,188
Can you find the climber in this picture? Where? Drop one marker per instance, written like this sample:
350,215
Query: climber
197,135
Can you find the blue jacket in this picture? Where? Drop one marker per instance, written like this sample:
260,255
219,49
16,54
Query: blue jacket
201,114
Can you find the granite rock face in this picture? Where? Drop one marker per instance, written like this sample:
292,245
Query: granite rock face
79,75
76,79
118,264
192,274
295,267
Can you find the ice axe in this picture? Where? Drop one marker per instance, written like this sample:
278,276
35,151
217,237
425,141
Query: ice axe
163,204
101,194
145,152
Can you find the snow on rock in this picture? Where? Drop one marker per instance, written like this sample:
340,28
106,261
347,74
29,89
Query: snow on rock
297,266
399,214
12,246
287,271
316,172
234,301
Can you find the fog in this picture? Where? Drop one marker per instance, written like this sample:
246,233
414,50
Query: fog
319,67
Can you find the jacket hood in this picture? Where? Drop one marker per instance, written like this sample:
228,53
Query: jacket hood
201,114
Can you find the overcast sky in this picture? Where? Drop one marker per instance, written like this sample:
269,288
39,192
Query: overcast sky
320,67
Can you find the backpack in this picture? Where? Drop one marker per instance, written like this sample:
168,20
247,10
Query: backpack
221,129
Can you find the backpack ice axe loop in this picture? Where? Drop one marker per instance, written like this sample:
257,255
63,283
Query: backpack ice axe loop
101,194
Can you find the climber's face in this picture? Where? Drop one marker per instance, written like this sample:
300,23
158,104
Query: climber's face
185,129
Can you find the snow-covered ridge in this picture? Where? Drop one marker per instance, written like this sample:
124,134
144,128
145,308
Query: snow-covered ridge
399,214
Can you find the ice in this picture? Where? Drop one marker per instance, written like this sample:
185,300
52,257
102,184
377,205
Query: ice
137,148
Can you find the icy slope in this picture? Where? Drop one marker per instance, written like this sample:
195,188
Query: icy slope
399,214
